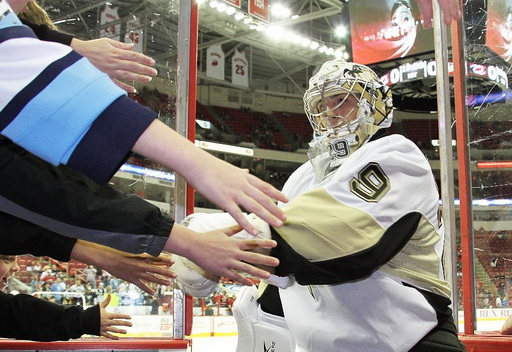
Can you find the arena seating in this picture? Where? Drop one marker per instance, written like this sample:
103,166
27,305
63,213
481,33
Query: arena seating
490,134
421,131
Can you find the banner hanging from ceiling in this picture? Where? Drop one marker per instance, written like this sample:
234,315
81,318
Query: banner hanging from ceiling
235,3
239,69
107,15
215,58
259,9
134,34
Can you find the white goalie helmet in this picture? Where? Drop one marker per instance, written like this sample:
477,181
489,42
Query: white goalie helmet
346,104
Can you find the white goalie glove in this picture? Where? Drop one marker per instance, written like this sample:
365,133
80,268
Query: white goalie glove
197,282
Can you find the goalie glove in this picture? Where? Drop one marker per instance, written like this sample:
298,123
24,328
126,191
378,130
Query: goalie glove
192,279
264,233
197,282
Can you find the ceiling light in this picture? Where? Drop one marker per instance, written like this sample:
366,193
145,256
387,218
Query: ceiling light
239,15
213,4
281,11
314,45
305,41
230,10
322,49
296,39
340,31
275,31
221,7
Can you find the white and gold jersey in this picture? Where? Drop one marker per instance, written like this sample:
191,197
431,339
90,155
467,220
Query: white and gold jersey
365,246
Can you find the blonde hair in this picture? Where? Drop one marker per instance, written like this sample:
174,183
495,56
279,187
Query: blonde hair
8,257
37,15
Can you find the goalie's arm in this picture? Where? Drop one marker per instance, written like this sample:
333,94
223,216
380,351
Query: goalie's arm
325,242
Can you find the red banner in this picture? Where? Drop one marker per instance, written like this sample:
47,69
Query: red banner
234,2
260,9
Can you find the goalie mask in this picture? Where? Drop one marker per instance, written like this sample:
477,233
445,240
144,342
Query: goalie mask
346,104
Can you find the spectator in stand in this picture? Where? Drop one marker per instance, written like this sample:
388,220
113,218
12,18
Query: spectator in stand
100,291
134,295
114,296
34,283
56,270
58,286
30,318
121,291
155,305
30,267
47,275
78,289
227,185
114,283
37,267
47,289
90,275
90,295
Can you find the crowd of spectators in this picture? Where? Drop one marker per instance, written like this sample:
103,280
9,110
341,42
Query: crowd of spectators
220,302
86,285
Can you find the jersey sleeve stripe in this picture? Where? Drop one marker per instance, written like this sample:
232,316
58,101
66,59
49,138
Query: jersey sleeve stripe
34,89
351,267
108,142
59,113
7,16
17,31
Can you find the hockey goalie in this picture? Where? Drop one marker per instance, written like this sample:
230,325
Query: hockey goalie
360,252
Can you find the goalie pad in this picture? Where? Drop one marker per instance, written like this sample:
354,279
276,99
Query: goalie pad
257,330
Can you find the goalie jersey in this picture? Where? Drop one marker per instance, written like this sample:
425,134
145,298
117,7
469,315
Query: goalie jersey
364,246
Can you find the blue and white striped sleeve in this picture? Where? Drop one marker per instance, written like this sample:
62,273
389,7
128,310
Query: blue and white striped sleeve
57,105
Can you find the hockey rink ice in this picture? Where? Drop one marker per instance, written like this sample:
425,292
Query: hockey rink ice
214,344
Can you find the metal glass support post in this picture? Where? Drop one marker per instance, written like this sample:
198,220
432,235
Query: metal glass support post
445,149
185,125
465,196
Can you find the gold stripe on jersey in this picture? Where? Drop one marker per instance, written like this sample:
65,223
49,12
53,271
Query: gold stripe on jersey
418,263
321,228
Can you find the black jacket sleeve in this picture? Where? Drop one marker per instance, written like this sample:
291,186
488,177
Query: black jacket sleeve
22,237
43,32
29,318
66,202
